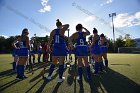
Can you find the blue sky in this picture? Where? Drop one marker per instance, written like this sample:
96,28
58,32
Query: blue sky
39,16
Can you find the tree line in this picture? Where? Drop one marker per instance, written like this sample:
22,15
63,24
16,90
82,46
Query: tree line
126,41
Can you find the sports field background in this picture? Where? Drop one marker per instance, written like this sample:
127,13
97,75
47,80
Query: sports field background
123,76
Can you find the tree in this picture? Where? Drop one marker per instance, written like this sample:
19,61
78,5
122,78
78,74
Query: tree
110,47
129,42
120,42
2,40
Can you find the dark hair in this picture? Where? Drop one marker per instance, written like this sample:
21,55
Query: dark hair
58,23
24,31
95,30
18,36
102,35
79,27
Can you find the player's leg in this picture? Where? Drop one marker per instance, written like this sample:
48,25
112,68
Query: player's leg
87,67
97,64
33,55
100,62
61,68
105,59
39,56
80,68
52,66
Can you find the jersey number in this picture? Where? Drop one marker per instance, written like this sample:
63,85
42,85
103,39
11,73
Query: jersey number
56,39
81,42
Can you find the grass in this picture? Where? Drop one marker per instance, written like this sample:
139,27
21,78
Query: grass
123,76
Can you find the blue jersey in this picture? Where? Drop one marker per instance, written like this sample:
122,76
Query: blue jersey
81,40
59,48
58,39
104,48
97,42
22,44
81,45
23,49
96,49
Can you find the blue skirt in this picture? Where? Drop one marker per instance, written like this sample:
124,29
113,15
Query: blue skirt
96,50
23,52
81,50
104,49
15,52
59,50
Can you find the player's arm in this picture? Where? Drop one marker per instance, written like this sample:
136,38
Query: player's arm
87,31
93,40
64,28
14,44
71,39
27,42
51,38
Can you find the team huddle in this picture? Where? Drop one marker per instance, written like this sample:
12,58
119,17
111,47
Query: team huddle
94,50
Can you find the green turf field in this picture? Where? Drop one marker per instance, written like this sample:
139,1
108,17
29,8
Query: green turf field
123,76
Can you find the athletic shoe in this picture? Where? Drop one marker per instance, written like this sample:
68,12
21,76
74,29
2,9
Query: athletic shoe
19,78
49,78
96,74
25,76
92,71
78,78
61,80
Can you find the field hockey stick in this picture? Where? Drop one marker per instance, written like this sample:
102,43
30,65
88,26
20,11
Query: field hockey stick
68,65
30,63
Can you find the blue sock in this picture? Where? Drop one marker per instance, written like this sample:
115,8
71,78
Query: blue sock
22,70
18,70
14,65
80,72
97,67
106,63
51,69
88,72
101,66
61,71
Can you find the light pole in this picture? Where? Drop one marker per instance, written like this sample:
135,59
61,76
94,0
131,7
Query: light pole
112,15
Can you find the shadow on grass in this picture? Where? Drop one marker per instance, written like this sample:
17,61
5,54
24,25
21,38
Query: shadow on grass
115,82
110,82
36,66
7,85
72,76
81,89
6,73
56,88
38,76
45,82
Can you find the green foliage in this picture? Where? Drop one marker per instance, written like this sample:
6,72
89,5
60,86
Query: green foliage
6,44
130,43
120,42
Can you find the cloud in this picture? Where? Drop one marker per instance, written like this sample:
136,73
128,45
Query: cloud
4,36
45,5
90,19
126,20
107,2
